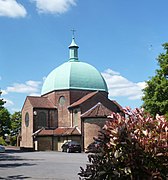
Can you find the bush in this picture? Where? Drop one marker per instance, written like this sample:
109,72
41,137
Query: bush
2,141
13,140
134,147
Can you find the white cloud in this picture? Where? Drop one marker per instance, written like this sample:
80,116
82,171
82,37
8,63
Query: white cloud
120,86
35,94
8,103
142,85
15,110
29,87
54,6
11,8
4,92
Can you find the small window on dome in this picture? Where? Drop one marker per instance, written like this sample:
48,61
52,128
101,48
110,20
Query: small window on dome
61,100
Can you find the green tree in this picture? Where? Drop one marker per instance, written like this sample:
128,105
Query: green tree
2,102
15,123
15,127
156,93
4,122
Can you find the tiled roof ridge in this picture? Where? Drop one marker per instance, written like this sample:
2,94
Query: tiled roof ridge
75,128
38,131
116,103
99,103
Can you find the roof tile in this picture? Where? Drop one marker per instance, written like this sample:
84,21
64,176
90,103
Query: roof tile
40,102
83,99
97,111
61,131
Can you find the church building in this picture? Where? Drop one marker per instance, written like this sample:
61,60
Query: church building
73,105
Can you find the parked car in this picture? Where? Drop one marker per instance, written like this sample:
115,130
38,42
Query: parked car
94,147
71,146
2,149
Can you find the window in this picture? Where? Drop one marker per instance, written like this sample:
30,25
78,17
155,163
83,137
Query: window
42,119
61,100
75,118
27,119
59,139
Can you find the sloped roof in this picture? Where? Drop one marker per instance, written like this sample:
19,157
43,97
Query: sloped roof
40,102
99,110
83,99
61,131
98,97
116,103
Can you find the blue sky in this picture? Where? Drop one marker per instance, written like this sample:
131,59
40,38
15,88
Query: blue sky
122,39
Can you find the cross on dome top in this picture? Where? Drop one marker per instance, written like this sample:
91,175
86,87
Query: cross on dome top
73,33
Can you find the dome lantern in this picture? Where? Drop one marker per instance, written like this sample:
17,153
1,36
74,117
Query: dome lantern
73,51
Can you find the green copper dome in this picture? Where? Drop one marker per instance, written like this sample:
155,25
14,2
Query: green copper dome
74,75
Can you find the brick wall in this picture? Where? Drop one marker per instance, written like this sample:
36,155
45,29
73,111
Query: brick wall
63,112
91,129
44,143
26,132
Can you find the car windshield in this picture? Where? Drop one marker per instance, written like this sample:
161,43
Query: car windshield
74,143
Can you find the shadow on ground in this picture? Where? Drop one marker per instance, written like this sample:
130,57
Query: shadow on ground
14,177
9,165
9,156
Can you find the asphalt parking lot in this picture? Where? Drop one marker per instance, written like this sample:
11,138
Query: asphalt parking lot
41,165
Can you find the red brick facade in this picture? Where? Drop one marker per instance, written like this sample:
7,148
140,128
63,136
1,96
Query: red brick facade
84,110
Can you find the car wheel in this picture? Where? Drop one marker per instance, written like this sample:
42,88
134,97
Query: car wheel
68,150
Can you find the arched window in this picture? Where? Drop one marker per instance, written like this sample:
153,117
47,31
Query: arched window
27,119
42,120
61,100
75,118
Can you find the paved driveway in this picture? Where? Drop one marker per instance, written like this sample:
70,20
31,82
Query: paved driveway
41,165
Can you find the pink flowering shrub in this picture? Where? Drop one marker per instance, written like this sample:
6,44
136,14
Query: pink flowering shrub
134,147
